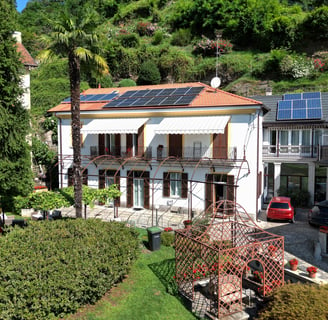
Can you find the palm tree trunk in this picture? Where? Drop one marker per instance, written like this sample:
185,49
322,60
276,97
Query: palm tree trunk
75,78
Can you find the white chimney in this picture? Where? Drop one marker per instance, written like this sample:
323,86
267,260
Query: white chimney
268,91
18,36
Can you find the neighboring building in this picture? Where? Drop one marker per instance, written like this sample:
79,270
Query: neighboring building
181,146
29,63
295,140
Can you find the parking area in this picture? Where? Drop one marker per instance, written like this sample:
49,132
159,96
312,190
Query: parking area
300,237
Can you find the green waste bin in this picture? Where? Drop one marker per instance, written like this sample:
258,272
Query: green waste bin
154,238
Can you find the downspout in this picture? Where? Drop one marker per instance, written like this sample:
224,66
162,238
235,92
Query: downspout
61,153
257,163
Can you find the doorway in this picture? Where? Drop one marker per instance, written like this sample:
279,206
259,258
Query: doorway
138,193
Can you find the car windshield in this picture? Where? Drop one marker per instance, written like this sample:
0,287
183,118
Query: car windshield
279,205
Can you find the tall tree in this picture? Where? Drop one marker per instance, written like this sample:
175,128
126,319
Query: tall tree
74,35
15,161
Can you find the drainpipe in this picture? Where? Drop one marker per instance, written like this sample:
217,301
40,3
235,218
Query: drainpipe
257,162
61,153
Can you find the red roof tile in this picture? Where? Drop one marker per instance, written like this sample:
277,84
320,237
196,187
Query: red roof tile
26,58
208,97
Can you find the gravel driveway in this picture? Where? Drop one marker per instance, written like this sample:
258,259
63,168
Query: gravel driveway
300,237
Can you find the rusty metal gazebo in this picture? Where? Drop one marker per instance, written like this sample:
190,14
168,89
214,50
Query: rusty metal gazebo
223,252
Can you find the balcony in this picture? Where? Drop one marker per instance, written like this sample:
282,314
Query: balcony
290,151
160,153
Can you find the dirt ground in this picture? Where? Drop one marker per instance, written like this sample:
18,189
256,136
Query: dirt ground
300,237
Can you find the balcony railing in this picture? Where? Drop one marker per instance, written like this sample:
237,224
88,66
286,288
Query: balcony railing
187,153
296,151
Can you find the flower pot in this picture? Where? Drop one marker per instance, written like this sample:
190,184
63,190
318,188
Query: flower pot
187,226
293,267
312,275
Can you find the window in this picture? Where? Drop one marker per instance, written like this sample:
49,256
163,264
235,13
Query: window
175,184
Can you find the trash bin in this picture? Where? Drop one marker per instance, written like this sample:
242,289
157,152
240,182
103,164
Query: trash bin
154,238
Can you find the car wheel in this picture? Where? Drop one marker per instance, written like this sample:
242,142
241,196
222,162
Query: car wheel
268,219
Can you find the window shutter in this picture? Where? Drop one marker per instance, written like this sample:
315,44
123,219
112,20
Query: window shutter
220,144
259,184
141,141
166,184
129,144
101,179
117,145
129,189
208,193
101,144
184,185
231,188
146,189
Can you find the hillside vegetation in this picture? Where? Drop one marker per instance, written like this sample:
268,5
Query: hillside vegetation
251,45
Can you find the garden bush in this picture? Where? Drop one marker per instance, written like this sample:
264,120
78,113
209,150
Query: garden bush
50,269
167,238
181,37
130,40
297,301
149,74
127,83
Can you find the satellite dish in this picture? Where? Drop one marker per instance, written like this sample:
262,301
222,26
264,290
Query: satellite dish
215,82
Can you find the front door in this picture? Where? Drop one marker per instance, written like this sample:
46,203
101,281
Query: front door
138,192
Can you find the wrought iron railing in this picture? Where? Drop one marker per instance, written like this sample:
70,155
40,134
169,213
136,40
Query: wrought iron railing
187,153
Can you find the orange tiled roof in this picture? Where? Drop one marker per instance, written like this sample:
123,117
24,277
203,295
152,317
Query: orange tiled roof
208,97
26,58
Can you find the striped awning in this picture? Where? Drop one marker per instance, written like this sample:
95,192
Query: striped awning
193,125
119,125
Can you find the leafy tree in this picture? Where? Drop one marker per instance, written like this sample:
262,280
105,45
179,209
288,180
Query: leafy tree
75,36
15,161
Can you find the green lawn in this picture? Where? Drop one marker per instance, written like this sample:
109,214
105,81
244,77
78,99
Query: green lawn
144,293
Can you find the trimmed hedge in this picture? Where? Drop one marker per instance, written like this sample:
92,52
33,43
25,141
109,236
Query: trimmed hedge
297,301
50,269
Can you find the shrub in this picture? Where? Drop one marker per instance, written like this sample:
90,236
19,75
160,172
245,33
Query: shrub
207,47
145,28
295,66
127,83
167,239
297,301
55,267
149,74
129,40
157,38
181,38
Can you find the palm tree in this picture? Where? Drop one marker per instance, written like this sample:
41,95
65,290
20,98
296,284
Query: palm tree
74,36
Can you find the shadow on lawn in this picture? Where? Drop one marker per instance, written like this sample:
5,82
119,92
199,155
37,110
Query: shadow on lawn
165,271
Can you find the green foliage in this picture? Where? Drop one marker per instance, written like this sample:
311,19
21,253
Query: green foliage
296,66
167,238
127,83
146,28
181,37
41,152
15,165
149,74
176,65
316,24
55,267
295,301
157,37
130,40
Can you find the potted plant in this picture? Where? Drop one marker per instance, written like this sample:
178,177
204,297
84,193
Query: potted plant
187,224
293,263
312,271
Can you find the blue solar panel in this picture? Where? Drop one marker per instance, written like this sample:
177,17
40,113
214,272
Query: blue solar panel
180,91
184,100
155,101
94,97
299,114
195,90
299,104
284,105
292,96
128,94
312,95
314,103
284,114
314,114
153,93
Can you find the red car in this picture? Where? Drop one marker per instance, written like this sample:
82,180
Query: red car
280,208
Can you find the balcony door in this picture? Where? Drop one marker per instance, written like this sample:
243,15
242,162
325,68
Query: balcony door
175,145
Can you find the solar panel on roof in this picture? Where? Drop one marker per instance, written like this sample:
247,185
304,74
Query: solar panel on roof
292,96
184,100
167,92
140,101
314,113
128,94
312,95
180,91
153,93
155,101
284,114
170,100
195,90
299,104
